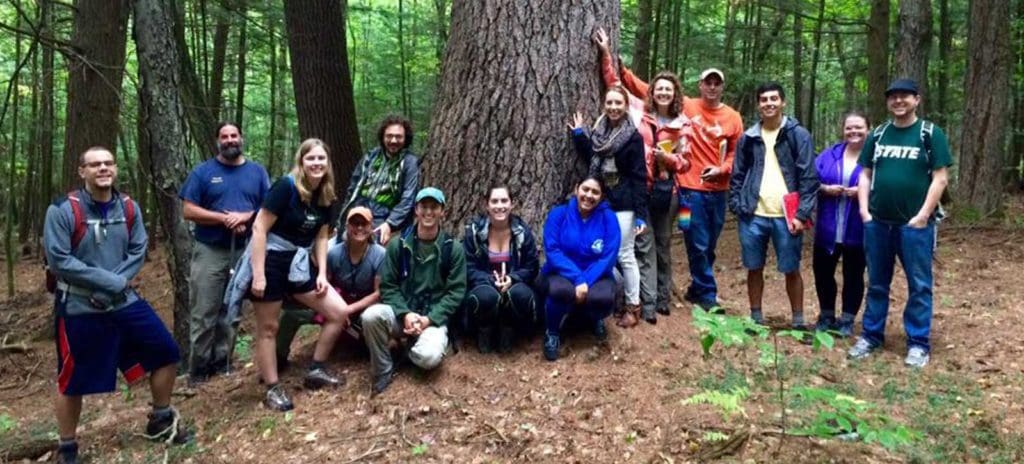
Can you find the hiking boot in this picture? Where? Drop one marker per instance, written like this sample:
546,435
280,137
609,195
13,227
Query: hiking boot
630,316
600,332
917,357
551,343
485,339
277,399
381,382
664,311
67,453
861,350
319,378
506,338
162,426
825,324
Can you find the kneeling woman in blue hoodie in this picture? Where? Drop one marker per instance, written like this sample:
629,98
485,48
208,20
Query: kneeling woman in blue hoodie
581,243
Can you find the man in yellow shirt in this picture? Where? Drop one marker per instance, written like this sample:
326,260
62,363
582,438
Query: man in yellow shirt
773,158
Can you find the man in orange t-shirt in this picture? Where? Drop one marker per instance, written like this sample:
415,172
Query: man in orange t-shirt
703,187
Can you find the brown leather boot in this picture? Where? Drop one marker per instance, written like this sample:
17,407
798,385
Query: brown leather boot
630,316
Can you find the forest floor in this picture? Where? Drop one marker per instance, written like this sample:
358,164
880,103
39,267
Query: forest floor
623,404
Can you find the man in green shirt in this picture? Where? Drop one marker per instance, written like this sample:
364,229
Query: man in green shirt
906,162
422,283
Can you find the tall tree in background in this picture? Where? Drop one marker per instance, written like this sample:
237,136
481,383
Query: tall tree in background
168,146
243,52
915,38
642,41
201,120
323,86
512,74
94,80
878,58
989,64
945,44
46,125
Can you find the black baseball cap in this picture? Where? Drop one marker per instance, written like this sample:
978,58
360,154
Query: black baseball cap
902,85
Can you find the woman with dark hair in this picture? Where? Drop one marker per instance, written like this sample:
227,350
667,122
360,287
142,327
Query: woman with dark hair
615,150
839,232
386,179
288,256
581,244
501,265
666,132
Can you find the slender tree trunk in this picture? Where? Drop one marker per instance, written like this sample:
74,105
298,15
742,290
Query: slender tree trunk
46,134
323,86
11,193
529,148
403,74
202,124
878,58
220,50
30,189
642,39
732,8
945,44
799,108
915,37
659,14
242,52
165,127
846,69
441,17
813,93
990,62
272,146
94,80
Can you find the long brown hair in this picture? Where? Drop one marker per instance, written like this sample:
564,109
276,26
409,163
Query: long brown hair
677,94
325,191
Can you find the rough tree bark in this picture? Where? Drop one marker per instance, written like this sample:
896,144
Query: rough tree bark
94,80
513,73
986,105
165,127
915,38
878,58
215,93
202,124
323,85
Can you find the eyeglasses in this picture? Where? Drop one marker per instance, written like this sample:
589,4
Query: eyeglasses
96,164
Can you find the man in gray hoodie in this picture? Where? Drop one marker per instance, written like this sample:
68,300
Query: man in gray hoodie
95,245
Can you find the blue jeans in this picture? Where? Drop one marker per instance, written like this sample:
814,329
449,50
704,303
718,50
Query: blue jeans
707,216
882,244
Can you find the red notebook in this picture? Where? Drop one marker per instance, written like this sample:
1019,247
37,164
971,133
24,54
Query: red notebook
791,203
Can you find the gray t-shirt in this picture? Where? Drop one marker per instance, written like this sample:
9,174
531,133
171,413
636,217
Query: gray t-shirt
355,280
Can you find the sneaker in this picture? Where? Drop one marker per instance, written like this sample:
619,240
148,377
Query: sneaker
506,339
600,332
277,399
161,427
381,382
845,329
319,378
485,339
861,350
551,343
916,357
67,453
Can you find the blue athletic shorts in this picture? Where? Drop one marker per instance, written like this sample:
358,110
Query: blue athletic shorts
91,348
756,231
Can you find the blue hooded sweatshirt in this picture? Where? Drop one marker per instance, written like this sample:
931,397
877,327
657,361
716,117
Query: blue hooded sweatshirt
581,250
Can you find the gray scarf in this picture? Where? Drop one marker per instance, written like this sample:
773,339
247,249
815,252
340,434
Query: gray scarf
607,141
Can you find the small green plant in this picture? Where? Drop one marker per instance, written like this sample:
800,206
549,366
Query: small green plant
7,423
714,436
728,402
727,330
839,414
420,449
126,393
266,426
243,347
631,437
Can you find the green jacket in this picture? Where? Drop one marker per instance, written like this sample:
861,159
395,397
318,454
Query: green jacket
418,285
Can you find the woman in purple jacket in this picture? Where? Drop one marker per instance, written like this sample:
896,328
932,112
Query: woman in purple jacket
839,232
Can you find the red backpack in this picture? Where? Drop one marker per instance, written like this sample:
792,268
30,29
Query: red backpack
80,228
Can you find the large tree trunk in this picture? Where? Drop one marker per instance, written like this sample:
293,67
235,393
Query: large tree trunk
642,39
513,73
323,86
94,80
915,38
987,86
1017,145
165,127
878,58
215,93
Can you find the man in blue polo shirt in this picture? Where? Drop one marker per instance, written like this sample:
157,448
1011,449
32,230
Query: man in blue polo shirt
95,245
221,197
